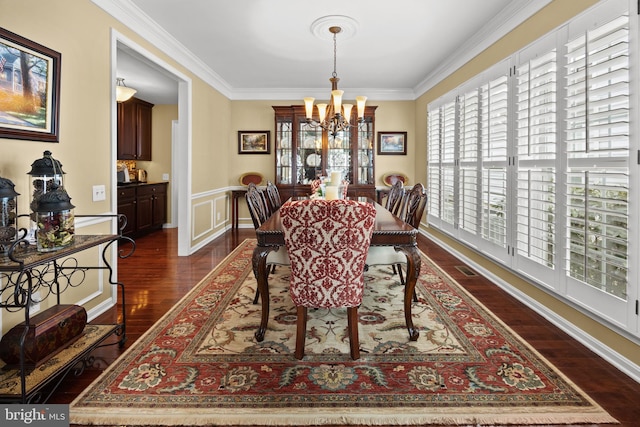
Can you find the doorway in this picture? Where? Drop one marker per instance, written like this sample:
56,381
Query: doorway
157,78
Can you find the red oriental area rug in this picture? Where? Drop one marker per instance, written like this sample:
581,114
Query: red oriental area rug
201,365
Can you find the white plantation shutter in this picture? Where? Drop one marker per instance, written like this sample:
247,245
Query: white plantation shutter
468,173
597,83
448,162
536,159
493,127
434,148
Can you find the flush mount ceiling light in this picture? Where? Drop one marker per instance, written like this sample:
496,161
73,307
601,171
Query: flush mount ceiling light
334,117
123,93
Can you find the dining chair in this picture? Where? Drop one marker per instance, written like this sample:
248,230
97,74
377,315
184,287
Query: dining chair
259,211
412,210
395,197
327,242
273,197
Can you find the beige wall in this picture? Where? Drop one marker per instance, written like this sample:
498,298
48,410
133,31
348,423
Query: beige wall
161,133
554,15
81,32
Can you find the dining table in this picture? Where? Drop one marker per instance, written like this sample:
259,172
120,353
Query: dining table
389,230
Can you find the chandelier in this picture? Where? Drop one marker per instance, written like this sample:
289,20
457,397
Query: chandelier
335,116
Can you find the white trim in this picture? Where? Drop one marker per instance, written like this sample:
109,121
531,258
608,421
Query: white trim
607,353
173,178
211,205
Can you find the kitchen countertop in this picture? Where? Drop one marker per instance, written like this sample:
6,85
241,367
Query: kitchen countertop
138,183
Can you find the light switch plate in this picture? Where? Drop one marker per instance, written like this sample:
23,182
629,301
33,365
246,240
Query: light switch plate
99,193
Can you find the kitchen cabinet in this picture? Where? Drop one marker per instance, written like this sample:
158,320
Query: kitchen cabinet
134,130
304,153
144,205
127,207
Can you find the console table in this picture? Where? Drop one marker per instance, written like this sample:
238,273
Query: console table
24,271
235,195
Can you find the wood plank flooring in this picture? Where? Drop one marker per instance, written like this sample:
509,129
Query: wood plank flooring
156,278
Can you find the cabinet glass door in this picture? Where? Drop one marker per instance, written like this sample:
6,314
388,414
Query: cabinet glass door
309,160
365,174
284,152
339,155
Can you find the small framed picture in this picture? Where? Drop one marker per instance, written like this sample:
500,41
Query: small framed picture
254,142
392,143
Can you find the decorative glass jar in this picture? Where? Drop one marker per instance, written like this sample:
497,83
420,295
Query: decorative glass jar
55,221
8,214
46,175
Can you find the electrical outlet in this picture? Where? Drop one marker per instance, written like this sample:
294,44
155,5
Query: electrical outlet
99,193
165,177
219,216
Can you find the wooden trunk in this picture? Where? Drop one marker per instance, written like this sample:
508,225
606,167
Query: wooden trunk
49,332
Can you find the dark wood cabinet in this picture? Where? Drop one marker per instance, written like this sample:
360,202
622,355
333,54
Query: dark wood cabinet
145,206
304,152
134,130
127,207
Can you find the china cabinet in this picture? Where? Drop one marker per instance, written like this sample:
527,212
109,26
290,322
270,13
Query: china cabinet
305,152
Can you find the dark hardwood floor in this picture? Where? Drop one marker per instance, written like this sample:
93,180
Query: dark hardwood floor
156,278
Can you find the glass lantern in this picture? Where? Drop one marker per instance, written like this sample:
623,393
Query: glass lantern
55,221
8,215
46,176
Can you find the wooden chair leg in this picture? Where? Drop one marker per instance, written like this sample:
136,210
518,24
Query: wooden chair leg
352,324
301,331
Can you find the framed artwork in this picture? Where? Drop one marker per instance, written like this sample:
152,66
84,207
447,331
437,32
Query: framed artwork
29,89
392,143
254,142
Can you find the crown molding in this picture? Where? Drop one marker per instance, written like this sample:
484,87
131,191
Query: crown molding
136,20
287,94
512,16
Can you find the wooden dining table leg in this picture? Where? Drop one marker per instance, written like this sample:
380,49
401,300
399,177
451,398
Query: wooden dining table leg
413,271
259,262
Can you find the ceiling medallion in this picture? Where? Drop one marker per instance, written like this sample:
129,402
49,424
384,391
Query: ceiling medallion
320,27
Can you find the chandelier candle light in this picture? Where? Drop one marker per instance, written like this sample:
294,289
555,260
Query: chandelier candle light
335,116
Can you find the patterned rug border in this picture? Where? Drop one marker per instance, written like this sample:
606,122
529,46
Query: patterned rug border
116,415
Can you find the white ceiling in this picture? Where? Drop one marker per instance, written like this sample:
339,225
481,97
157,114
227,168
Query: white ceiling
265,49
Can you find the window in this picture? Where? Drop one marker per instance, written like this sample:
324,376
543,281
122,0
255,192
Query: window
529,162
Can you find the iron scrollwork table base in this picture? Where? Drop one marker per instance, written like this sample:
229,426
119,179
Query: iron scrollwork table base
24,271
